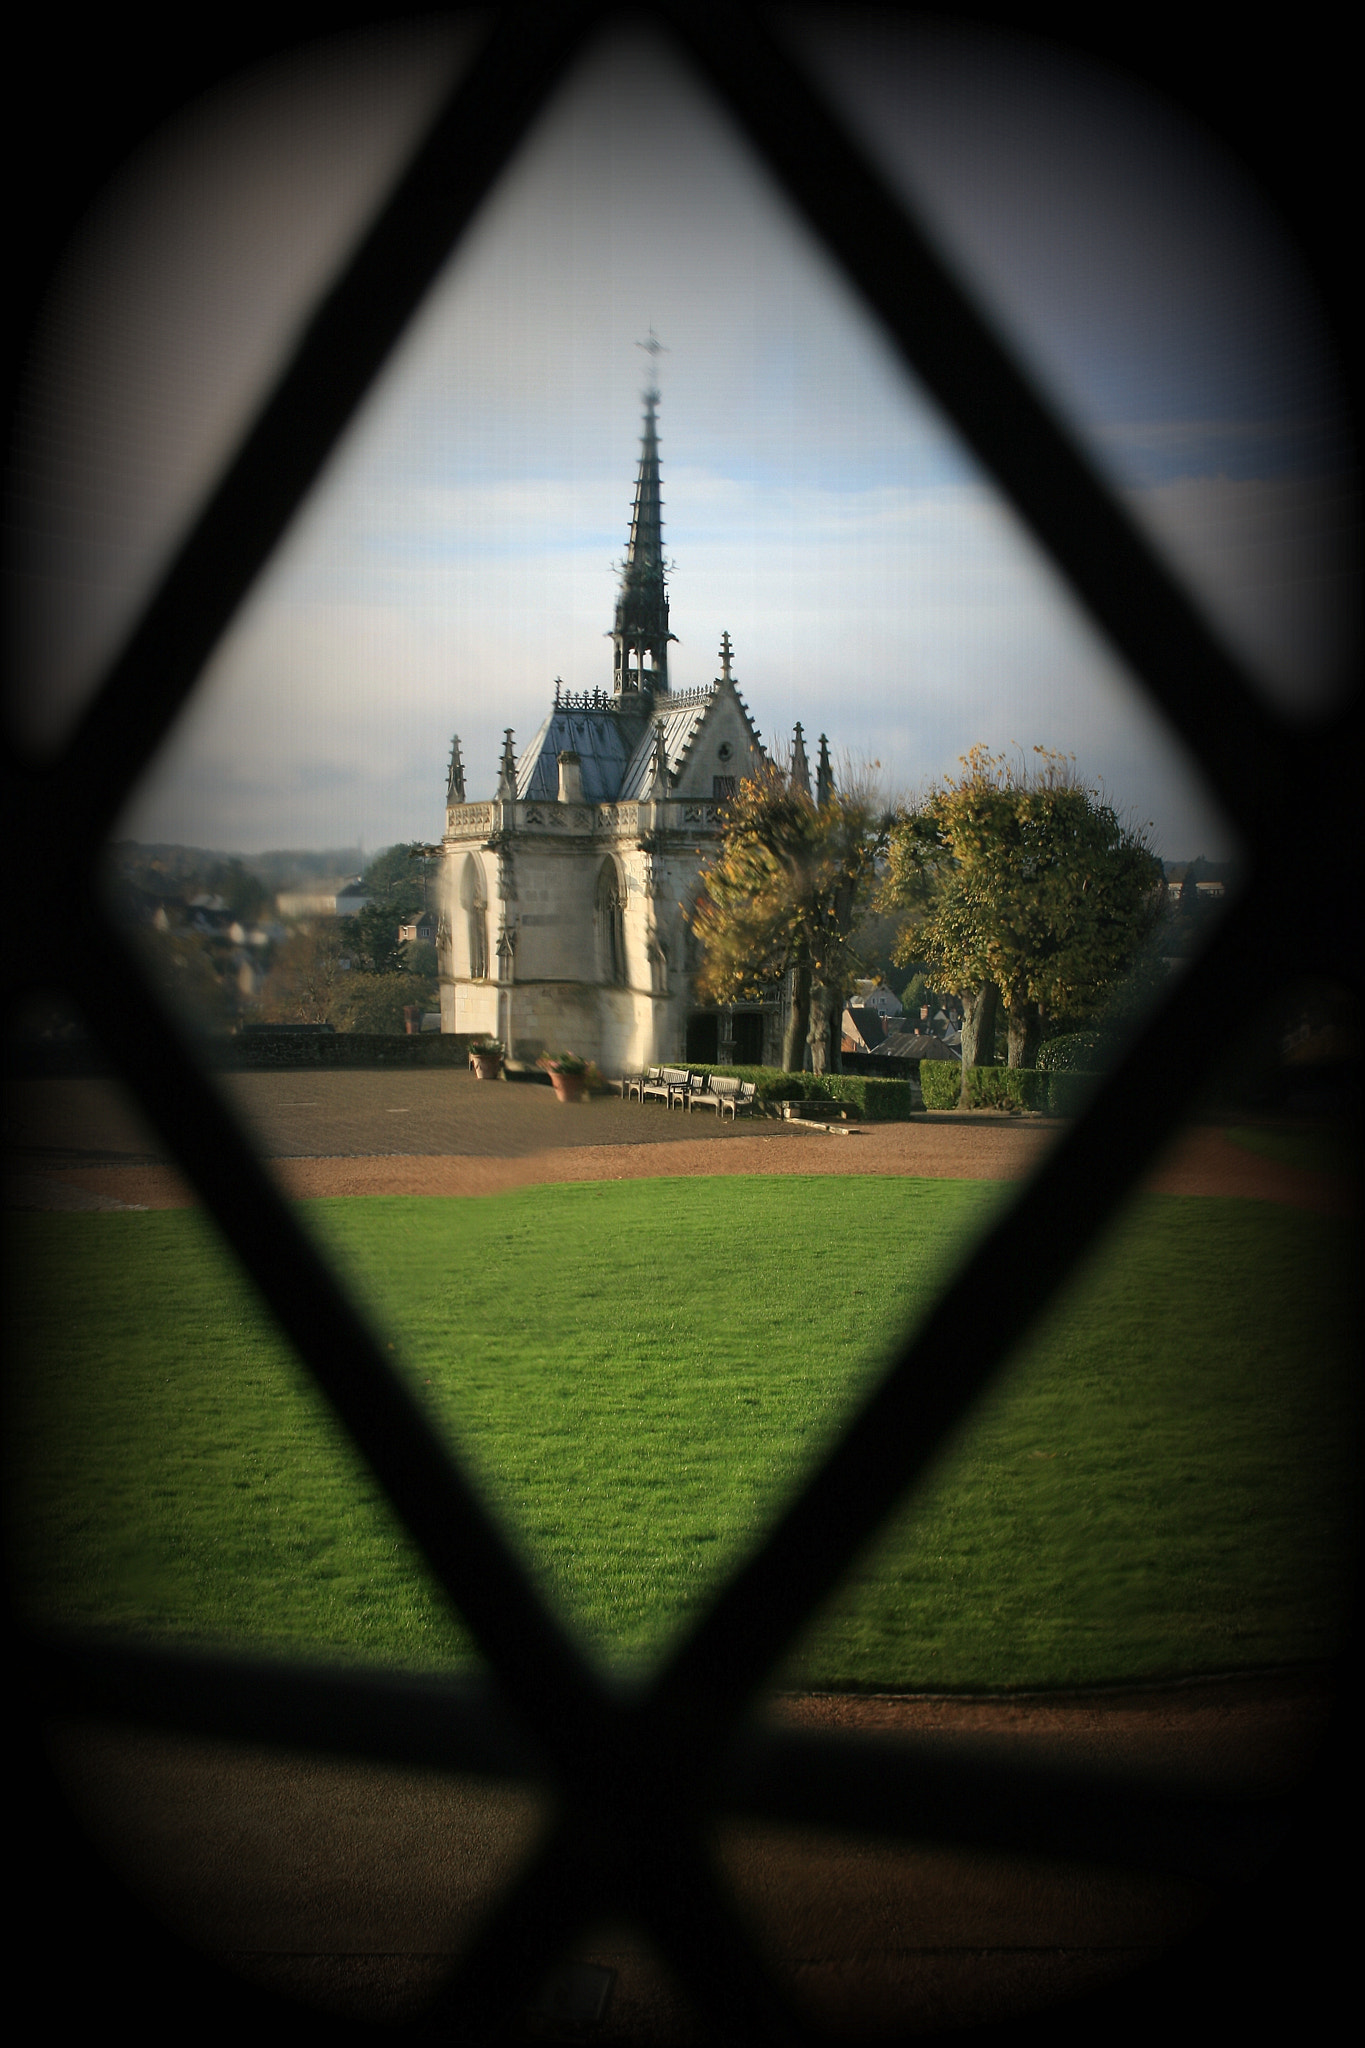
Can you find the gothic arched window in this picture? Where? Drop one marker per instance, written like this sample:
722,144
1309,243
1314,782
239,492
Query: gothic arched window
474,903
611,923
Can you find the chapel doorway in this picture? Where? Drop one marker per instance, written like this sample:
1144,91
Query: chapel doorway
703,1038
748,1029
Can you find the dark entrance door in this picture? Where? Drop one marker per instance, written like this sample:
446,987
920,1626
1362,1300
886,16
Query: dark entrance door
703,1031
748,1039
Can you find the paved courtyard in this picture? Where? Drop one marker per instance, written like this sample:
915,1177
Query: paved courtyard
82,1143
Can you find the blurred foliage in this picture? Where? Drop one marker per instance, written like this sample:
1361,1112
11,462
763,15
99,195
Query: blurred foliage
196,973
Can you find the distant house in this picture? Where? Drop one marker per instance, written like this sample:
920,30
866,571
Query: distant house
343,902
863,1030
354,898
421,928
209,914
874,995
306,903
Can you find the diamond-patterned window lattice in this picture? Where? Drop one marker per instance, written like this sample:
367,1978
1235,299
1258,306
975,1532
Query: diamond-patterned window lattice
638,1777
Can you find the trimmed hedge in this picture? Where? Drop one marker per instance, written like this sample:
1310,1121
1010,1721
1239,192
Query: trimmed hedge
770,1083
1010,1088
940,1083
1075,1052
1069,1093
876,1099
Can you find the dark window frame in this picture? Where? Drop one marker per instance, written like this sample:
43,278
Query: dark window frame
609,908
685,1749
474,903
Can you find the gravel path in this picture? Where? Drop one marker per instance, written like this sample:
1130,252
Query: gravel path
78,1144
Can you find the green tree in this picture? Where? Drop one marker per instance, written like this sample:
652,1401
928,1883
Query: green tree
374,942
424,962
785,896
377,1002
395,877
1023,889
914,995
305,974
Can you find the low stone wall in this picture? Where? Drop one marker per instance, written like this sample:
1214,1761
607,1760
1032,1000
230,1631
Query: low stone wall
258,1051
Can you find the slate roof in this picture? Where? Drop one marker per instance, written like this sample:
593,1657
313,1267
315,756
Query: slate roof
603,742
916,1045
681,725
865,1026
616,753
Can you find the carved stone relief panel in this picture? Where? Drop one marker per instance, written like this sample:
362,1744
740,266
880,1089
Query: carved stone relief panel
468,821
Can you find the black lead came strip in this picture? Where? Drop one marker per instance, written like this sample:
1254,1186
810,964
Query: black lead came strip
642,1775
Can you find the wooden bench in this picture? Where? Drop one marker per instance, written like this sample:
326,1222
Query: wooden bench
723,1092
669,1084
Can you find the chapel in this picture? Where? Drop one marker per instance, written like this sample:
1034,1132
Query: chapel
566,897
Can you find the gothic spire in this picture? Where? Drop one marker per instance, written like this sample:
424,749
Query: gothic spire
800,765
455,774
641,632
507,770
824,775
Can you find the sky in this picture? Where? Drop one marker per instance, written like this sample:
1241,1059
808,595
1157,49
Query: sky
458,554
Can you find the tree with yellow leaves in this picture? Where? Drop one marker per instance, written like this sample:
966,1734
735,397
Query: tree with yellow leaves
1023,888
785,896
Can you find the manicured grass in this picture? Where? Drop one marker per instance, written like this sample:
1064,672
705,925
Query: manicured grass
639,1372
1325,1150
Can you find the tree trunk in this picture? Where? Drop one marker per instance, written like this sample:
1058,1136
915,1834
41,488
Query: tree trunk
821,1010
1025,1030
978,1033
798,1020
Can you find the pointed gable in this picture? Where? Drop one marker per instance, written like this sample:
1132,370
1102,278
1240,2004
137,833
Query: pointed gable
679,726
708,737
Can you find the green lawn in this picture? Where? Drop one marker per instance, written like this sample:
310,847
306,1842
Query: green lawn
1316,1149
639,1371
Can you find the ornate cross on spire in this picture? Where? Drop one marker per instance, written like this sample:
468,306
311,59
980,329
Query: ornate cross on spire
653,348
455,774
726,653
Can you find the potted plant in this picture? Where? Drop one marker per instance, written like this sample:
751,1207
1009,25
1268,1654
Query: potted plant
486,1053
569,1074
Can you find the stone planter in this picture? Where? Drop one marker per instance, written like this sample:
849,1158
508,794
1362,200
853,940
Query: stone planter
569,1087
487,1066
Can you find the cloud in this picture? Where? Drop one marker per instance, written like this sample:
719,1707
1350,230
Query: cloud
909,625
